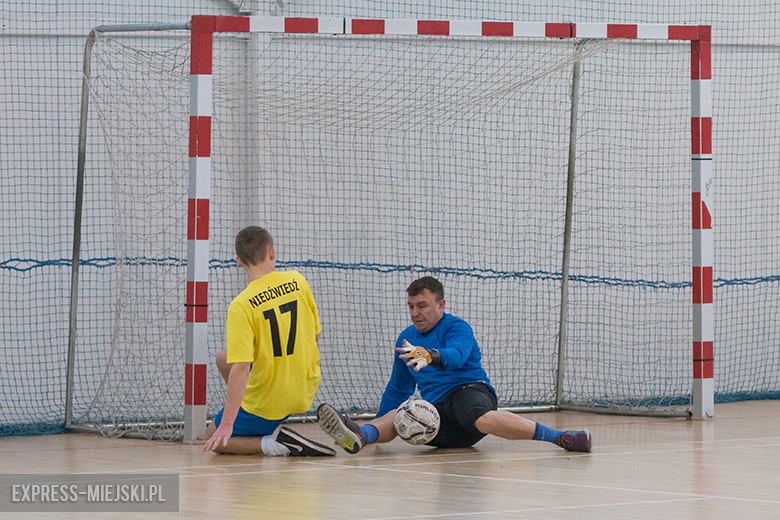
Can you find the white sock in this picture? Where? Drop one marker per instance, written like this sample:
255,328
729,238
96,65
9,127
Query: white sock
272,448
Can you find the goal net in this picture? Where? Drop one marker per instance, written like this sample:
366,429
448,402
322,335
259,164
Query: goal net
374,160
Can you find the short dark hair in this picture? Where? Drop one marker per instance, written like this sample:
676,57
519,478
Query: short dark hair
252,244
426,282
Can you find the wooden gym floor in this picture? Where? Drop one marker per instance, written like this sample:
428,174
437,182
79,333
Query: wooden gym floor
724,468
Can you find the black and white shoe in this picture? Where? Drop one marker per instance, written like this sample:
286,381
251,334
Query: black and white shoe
300,446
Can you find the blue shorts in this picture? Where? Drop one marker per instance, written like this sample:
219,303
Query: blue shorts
250,424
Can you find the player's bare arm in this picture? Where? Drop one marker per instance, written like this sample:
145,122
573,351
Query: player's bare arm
239,375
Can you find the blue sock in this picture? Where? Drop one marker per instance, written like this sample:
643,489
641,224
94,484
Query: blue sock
370,432
545,433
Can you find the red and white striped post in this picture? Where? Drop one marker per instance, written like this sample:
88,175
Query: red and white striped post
196,355
701,188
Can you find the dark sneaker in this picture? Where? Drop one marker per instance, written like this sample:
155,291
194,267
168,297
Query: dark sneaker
341,428
300,446
574,440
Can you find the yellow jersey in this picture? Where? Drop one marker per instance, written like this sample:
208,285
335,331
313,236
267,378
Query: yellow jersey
273,324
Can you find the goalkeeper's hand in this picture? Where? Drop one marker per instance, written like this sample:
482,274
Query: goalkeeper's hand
418,357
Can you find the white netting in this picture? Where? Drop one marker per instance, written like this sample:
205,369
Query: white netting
374,160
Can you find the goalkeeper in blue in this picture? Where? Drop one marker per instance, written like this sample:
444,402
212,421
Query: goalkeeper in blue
439,355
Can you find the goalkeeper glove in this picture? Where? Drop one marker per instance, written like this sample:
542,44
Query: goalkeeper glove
418,357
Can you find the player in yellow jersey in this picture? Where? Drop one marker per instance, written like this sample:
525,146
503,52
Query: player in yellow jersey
271,365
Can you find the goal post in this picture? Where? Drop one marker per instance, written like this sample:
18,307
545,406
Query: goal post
203,28
703,399
378,151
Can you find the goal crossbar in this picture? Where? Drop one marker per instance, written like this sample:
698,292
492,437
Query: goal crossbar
203,29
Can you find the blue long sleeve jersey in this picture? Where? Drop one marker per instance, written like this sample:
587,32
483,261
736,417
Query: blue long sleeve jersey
461,364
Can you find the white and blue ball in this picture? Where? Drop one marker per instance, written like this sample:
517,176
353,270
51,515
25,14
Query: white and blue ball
416,421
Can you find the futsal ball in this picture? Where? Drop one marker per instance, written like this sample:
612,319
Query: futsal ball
416,421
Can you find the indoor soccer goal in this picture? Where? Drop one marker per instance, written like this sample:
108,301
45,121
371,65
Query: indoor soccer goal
555,177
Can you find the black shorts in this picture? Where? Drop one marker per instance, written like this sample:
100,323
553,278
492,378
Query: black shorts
459,411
